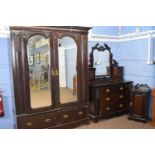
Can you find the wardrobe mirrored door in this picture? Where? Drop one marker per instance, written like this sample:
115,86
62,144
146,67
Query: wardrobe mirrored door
38,52
67,57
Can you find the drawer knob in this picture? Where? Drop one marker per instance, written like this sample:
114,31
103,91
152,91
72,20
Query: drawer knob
47,120
29,124
107,108
121,105
107,98
121,88
107,90
80,113
121,96
65,116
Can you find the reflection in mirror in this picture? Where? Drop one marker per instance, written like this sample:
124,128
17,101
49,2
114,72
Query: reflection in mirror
39,71
67,70
101,62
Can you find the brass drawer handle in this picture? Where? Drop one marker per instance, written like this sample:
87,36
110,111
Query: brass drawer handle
121,105
65,116
29,124
107,108
47,120
56,73
107,90
130,104
121,88
53,74
107,98
121,96
80,113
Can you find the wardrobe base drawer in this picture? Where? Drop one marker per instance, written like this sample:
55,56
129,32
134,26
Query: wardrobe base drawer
72,115
37,122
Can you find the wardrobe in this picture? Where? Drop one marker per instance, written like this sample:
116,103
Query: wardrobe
50,75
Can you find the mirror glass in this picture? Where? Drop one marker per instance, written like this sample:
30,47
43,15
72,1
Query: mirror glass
38,52
67,70
101,62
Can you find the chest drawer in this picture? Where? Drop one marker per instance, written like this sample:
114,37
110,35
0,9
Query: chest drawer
37,122
106,99
105,109
121,88
120,97
106,90
72,115
118,106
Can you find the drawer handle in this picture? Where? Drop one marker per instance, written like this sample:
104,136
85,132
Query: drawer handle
29,124
80,113
121,105
53,74
56,72
130,104
47,120
107,98
121,88
65,116
121,96
107,108
107,90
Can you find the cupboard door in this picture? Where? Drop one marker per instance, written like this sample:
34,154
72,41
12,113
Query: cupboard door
38,70
66,71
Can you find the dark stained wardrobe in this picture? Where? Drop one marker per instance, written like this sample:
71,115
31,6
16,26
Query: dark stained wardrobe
50,71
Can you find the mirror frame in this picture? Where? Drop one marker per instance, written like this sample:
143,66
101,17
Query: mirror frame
92,69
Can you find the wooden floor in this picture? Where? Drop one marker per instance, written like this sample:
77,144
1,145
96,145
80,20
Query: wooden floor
120,122
42,98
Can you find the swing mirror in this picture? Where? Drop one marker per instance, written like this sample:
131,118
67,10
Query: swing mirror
100,61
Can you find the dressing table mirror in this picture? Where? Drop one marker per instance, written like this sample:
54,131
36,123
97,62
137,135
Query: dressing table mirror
100,62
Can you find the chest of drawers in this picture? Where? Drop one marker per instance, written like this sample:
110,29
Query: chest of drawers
108,99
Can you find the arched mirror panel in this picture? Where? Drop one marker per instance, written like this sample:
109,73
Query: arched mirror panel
67,55
38,52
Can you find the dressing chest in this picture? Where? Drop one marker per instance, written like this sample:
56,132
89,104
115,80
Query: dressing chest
108,92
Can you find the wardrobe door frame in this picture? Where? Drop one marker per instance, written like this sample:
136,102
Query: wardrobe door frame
25,35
